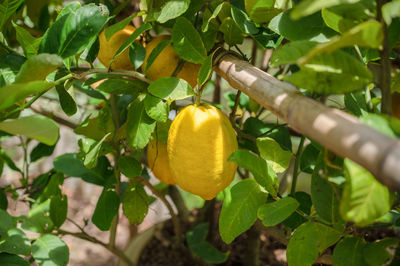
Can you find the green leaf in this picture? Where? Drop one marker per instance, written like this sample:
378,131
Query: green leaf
335,73
52,188
155,52
162,129
67,103
308,158
308,241
6,222
3,199
232,33
291,52
129,166
308,7
131,39
187,42
92,156
38,67
380,252
58,209
258,167
205,70
295,220
36,127
312,27
50,250
239,210
172,9
390,11
110,31
243,21
156,108
197,243
336,21
10,64
106,208
276,212
38,219
271,151
12,260
355,103
323,197
171,89
349,251
213,16
137,54
367,34
29,44
8,8
262,11
135,203
364,199
122,86
13,93
15,242
139,126
380,123
9,161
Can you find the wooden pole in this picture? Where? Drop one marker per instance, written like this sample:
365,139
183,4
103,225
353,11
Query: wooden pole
340,132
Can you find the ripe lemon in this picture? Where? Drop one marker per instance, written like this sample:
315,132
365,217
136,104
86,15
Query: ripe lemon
108,48
157,159
200,141
167,61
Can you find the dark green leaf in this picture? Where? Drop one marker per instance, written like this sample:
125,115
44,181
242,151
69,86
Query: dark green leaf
296,219
187,42
12,260
205,70
6,222
3,200
308,158
232,33
355,103
171,89
243,21
308,241
15,242
38,219
276,212
41,150
66,101
29,44
122,86
239,210
94,153
58,209
110,31
129,166
106,208
380,252
137,54
50,250
349,251
135,203
8,8
10,163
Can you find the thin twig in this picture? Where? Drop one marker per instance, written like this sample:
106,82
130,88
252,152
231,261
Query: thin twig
161,196
54,117
127,73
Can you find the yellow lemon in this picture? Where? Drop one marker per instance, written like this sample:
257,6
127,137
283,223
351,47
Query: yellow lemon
157,159
167,61
108,48
200,141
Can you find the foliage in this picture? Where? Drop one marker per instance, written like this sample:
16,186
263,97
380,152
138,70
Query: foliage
332,51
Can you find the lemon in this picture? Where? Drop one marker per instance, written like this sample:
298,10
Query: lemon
157,160
166,62
200,141
108,48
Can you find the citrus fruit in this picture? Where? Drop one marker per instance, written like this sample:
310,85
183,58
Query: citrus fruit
108,48
200,141
157,160
166,62
396,105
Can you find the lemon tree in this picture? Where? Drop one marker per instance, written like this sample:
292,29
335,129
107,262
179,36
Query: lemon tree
133,83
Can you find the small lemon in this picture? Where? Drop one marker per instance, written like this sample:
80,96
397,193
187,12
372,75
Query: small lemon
108,48
157,160
200,141
166,62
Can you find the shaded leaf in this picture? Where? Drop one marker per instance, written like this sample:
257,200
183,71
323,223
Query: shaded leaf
58,209
50,250
15,242
106,208
135,203
38,67
276,212
349,251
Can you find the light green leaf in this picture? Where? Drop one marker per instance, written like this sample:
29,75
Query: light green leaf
15,242
6,222
367,34
187,42
92,156
364,199
239,210
380,123
50,250
135,203
156,108
308,7
197,243
205,70
139,126
349,251
271,151
110,31
29,44
122,86
36,127
308,241
262,11
171,89
232,33
38,67
172,9
129,166
207,20
38,219
276,212
7,8
259,168
336,21
106,208
291,52
390,11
